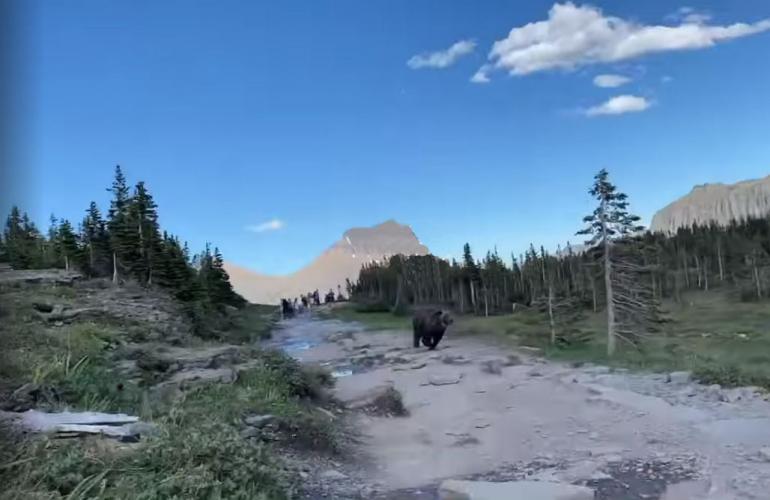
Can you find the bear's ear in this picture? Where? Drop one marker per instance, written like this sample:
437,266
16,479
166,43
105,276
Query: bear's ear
438,313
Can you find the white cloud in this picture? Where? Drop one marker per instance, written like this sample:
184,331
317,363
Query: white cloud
575,36
271,225
481,75
442,58
619,105
688,15
610,81
697,18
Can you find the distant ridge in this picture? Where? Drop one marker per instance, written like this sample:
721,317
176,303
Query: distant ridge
342,260
718,203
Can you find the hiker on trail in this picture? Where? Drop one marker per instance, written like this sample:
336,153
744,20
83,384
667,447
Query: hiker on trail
286,308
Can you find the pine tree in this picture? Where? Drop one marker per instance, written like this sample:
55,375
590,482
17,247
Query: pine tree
96,243
473,275
24,245
68,244
143,223
122,240
609,223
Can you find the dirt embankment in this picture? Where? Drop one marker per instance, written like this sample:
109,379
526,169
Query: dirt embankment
474,410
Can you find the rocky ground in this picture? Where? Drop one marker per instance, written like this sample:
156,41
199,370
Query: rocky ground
475,410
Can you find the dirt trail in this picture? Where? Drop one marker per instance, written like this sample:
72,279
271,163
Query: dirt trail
476,413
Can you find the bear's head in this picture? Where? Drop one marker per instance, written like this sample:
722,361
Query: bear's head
444,317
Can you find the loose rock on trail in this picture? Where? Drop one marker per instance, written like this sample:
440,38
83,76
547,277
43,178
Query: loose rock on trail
476,411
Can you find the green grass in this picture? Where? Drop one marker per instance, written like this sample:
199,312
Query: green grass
199,452
251,324
370,320
71,363
721,340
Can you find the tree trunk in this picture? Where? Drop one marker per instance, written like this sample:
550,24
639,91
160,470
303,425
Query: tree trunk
505,292
550,314
686,274
593,292
697,270
677,288
608,286
756,277
486,302
705,274
66,263
439,287
114,268
719,262
398,292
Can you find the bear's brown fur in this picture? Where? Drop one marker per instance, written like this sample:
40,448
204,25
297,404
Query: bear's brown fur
429,326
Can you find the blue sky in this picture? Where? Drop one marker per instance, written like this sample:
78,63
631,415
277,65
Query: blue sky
323,115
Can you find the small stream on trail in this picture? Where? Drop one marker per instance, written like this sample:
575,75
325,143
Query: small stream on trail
294,337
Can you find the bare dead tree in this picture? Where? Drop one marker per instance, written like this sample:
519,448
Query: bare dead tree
637,309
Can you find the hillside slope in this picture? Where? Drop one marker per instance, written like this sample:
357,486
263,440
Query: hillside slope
340,261
719,203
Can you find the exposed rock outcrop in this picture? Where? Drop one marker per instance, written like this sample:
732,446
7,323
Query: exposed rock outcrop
718,203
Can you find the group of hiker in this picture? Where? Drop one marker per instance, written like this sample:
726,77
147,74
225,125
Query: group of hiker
290,307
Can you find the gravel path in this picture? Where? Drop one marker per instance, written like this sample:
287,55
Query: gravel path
477,412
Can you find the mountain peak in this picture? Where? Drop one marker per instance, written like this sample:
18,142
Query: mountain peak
342,260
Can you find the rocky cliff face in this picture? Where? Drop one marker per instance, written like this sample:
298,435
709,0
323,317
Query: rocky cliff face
342,260
719,203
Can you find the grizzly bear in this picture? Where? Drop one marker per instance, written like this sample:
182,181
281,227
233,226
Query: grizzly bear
429,327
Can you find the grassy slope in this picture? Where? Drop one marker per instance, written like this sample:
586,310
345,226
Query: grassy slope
253,323
370,320
722,340
198,453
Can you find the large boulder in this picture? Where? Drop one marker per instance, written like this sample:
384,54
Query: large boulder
516,490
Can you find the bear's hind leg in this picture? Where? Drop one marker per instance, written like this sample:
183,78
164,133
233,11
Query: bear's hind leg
435,339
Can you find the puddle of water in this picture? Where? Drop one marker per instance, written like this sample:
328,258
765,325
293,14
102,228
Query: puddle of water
297,346
342,373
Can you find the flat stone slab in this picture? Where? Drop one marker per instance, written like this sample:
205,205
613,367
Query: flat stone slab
515,490
443,380
78,423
